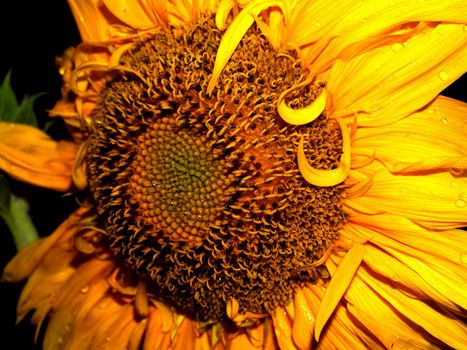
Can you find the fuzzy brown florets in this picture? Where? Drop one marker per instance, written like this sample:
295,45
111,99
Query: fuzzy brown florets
202,194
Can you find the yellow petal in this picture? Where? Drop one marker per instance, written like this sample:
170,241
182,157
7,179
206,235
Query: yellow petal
370,310
386,84
132,13
235,33
156,337
338,285
401,274
433,138
223,13
302,330
92,23
433,200
373,22
319,177
283,329
451,331
30,155
304,115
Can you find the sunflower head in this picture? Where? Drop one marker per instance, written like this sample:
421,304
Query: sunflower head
201,191
258,174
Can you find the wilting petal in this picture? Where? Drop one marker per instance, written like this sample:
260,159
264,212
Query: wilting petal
30,155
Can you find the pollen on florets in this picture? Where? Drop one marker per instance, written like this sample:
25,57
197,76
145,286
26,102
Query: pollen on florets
200,192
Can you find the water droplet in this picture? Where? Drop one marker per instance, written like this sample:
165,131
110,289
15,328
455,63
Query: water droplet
60,340
463,196
443,75
81,19
444,121
460,203
85,289
397,47
407,133
404,191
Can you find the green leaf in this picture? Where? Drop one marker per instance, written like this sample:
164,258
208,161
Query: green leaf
10,111
8,103
15,212
25,112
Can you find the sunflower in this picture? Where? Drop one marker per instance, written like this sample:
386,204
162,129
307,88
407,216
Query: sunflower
256,174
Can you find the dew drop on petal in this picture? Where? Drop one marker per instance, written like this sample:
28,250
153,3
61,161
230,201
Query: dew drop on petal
443,75
460,203
85,289
404,191
397,47
444,121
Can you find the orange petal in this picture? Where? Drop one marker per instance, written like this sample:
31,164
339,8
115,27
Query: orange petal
302,330
30,155
92,20
29,258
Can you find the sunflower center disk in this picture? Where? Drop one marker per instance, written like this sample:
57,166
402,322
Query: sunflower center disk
202,193
178,182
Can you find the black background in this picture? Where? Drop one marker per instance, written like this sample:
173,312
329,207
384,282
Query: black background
34,33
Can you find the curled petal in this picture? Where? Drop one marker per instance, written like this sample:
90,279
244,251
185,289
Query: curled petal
235,33
319,177
223,13
304,115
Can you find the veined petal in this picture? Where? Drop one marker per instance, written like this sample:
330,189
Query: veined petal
366,21
283,329
430,263
30,155
156,337
399,273
92,20
304,321
433,200
449,330
433,138
388,83
28,259
338,285
133,13
370,308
